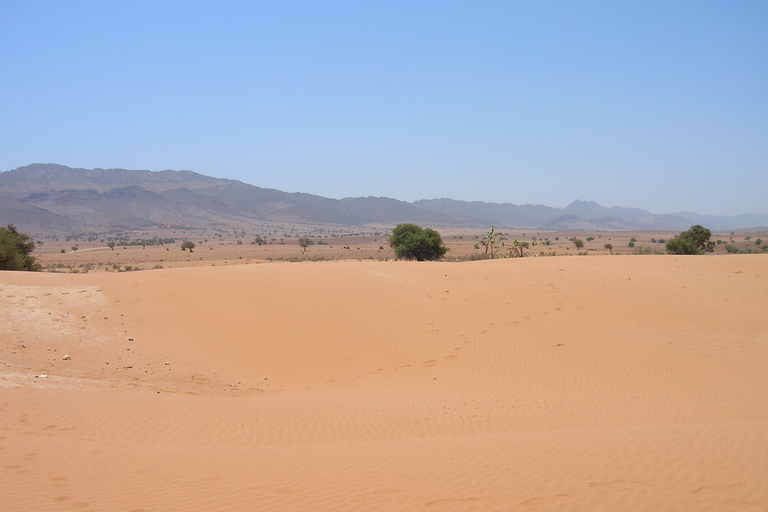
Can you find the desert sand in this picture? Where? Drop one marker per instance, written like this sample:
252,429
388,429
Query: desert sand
597,383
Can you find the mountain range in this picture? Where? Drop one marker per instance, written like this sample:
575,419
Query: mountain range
52,197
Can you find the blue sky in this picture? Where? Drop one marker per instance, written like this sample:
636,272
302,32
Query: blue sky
656,105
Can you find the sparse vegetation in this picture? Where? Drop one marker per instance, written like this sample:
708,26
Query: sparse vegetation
187,245
496,246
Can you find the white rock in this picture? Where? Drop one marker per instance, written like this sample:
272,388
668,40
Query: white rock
66,358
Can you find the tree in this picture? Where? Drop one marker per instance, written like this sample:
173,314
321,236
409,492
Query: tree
15,249
305,242
609,247
518,248
693,241
187,245
492,242
411,242
111,245
577,242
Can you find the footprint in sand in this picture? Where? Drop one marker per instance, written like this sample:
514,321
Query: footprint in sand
74,504
552,500
706,491
448,500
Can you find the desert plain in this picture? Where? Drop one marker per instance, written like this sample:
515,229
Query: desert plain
594,383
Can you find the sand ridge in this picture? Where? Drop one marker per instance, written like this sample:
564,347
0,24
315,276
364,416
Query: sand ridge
581,383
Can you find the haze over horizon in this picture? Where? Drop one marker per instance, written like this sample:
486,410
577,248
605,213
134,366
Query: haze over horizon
654,106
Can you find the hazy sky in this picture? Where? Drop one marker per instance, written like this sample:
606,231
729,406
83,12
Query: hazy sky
657,105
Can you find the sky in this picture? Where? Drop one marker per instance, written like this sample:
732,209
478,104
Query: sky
654,105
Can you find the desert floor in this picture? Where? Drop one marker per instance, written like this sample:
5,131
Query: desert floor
597,383
89,252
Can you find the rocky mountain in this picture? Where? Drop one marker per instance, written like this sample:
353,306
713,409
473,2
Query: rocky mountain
128,199
51,197
586,216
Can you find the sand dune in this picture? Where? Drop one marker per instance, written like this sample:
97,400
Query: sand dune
564,383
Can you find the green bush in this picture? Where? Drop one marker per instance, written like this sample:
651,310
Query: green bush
15,249
411,242
693,241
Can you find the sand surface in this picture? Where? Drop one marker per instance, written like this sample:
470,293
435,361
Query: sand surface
593,383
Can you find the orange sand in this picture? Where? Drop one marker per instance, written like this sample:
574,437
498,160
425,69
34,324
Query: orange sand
594,383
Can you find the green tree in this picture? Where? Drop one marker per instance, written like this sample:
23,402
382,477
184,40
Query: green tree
411,242
609,247
305,242
693,241
15,249
577,242
187,245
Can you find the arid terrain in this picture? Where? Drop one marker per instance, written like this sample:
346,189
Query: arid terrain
86,252
595,383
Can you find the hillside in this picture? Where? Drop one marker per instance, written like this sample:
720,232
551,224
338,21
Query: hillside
51,197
